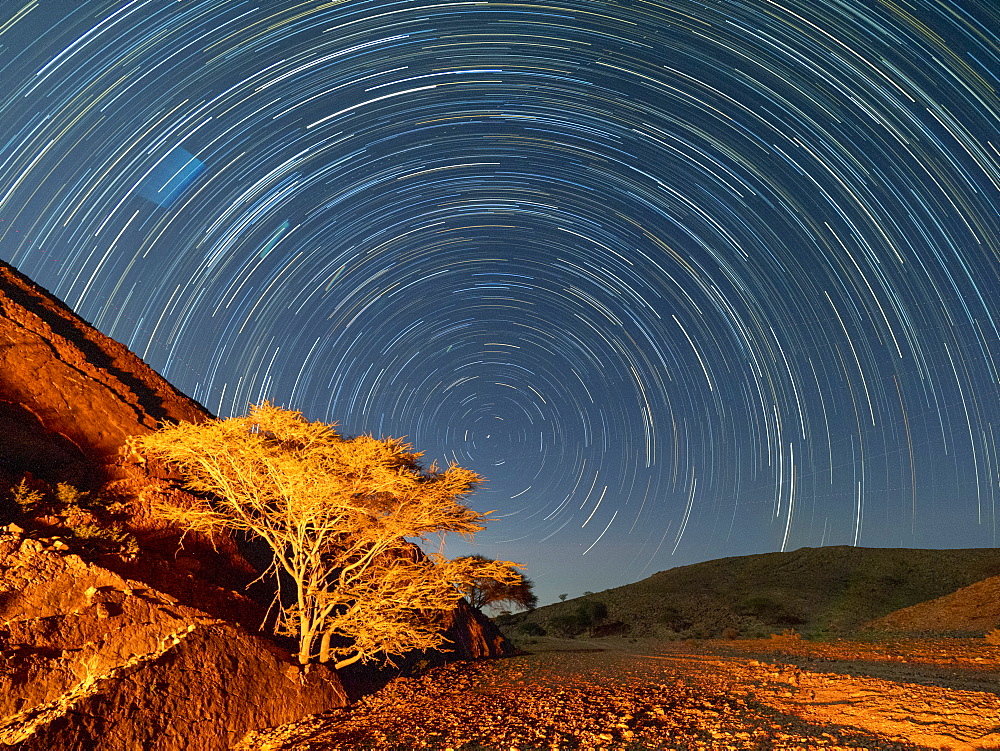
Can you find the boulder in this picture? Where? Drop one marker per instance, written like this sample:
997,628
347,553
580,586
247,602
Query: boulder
473,636
94,661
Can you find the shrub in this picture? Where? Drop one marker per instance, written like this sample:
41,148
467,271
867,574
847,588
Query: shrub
25,498
993,637
587,615
70,497
531,628
567,625
770,611
111,536
672,619
730,633
591,612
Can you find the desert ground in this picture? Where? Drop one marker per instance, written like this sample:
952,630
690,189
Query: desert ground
776,693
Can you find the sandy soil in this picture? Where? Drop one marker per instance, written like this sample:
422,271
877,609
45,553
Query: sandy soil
616,694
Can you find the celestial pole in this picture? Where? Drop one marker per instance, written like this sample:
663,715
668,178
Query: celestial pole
680,279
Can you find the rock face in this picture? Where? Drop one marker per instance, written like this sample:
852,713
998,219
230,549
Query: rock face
70,396
94,661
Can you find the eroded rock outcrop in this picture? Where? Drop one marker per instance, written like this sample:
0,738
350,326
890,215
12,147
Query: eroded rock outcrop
70,397
472,636
94,661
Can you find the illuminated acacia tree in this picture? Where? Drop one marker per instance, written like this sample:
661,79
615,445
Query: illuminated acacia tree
335,513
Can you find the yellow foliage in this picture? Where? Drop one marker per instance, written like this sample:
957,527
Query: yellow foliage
335,512
26,498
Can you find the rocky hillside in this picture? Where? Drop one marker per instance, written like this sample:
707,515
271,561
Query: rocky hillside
972,610
70,397
832,590
94,661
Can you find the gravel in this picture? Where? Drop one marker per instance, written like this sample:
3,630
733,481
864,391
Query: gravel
673,697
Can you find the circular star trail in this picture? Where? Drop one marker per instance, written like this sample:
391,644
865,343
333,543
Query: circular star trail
680,279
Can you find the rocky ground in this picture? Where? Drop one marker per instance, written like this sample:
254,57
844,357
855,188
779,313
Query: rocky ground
765,694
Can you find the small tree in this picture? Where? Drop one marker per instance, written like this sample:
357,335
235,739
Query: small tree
488,591
591,613
334,512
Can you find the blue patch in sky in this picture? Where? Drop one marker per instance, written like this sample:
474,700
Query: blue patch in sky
275,238
175,172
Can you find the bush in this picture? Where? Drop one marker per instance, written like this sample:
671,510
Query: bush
25,498
730,633
71,498
531,628
770,611
587,615
672,619
112,537
591,612
566,625
993,637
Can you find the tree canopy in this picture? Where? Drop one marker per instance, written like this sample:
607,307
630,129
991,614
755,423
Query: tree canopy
336,513
487,591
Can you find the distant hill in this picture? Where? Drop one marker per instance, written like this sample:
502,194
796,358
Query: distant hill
830,590
974,609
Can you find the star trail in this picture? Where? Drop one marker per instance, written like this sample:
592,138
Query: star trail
682,279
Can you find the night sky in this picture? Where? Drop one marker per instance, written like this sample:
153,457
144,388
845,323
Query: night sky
682,279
